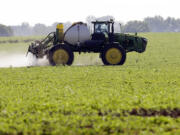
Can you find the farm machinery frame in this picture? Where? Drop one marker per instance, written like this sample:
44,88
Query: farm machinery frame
59,46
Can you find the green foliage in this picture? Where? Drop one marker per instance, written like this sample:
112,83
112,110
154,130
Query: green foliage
40,29
159,24
95,99
136,26
5,31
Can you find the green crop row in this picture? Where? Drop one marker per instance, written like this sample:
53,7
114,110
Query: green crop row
139,98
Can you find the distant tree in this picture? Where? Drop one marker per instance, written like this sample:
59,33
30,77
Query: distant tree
159,24
22,30
90,19
53,26
149,24
5,30
26,29
177,26
136,26
156,24
67,25
106,18
40,29
172,25
118,27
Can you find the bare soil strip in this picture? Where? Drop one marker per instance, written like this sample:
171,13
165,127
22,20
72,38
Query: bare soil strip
174,113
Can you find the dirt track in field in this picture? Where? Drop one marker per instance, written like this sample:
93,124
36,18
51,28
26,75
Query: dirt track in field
174,113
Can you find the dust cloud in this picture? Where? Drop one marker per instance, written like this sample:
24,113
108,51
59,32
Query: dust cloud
20,60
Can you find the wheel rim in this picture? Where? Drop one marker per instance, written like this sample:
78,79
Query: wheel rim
60,56
113,56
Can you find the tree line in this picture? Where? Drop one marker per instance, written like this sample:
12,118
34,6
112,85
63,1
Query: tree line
149,24
5,31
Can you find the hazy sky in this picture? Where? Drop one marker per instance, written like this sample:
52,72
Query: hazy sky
13,12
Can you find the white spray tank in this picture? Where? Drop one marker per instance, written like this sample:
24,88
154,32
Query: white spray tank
76,34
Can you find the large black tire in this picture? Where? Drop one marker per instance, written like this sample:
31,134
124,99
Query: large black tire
113,55
61,55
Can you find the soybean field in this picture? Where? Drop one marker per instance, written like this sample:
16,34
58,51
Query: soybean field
142,97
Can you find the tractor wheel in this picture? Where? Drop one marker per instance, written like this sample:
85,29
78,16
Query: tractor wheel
61,55
113,55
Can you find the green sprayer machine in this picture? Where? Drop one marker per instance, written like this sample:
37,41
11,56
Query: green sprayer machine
59,46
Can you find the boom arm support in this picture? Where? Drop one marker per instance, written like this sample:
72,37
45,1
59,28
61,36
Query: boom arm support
40,48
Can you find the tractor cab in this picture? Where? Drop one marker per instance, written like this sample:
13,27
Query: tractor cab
102,34
103,30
